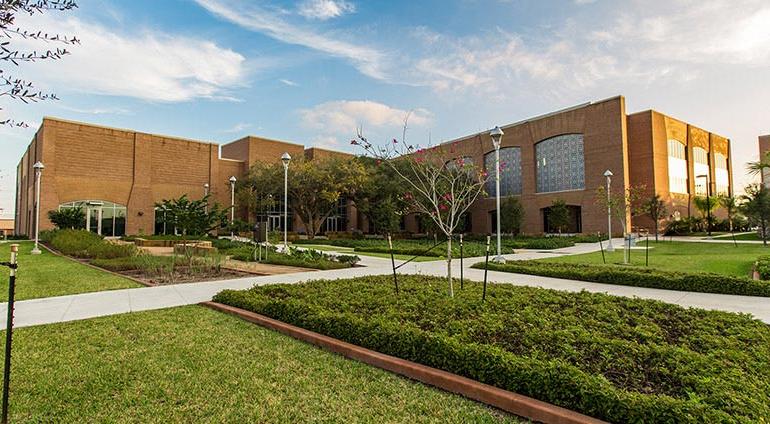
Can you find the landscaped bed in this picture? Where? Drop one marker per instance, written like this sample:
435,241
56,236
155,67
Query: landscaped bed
619,359
637,276
191,364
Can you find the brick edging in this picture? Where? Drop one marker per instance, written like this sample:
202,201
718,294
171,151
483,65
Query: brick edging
514,403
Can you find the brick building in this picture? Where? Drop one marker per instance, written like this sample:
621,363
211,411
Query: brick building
118,175
563,155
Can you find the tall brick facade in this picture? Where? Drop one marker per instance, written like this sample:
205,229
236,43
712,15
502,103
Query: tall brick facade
136,170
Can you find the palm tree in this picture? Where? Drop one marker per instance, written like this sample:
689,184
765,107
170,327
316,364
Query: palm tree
706,205
759,166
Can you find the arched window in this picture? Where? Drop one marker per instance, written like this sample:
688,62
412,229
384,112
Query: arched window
102,217
677,167
510,171
560,163
721,175
701,167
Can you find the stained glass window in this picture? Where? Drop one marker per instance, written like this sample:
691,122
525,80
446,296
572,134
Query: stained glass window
560,163
510,171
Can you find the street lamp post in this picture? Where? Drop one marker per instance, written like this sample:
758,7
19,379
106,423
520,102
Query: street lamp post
708,202
608,176
38,174
497,136
232,203
285,158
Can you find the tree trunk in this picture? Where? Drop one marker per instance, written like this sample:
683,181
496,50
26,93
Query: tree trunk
449,265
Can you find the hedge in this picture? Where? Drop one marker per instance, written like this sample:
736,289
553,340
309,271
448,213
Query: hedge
618,359
638,277
85,244
304,259
763,267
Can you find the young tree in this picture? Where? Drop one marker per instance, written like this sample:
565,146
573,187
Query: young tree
260,189
756,207
656,208
730,205
192,217
316,187
14,87
511,215
439,185
623,205
72,218
558,215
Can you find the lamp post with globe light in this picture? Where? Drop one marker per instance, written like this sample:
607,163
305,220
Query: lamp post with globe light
608,176
38,166
232,203
285,158
497,136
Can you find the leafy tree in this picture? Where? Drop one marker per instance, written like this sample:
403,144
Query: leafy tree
192,217
706,205
756,207
18,88
438,184
381,197
730,205
511,215
316,187
558,215
260,189
68,218
656,208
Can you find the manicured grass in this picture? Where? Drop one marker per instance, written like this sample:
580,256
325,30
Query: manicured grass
720,258
48,275
619,359
192,364
747,237
351,251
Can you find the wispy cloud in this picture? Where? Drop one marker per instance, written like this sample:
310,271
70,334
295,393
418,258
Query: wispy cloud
367,60
288,82
237,128
145,64
325,9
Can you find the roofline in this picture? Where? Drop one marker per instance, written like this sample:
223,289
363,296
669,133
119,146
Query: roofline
330,151
246,137
674,117
535,118
88,124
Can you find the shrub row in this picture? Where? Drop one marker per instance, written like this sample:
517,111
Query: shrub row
617,359
637,277
85,244
763,267
302,259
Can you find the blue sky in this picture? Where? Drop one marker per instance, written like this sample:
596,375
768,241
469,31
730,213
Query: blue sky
311,71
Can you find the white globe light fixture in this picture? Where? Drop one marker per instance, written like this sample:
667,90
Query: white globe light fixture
497,137
232,202
38,166
285,158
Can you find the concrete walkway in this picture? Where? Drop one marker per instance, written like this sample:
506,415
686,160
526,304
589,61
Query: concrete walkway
90,305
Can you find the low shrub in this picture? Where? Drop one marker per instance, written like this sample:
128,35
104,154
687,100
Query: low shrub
622,360
108,250
74,242
637,276
763,267
305,258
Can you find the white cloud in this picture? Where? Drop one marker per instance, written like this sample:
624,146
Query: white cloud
145,64
288,82
325,9
237,128
367,60
345,116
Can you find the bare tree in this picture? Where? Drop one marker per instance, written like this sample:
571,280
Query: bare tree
439,186
18,88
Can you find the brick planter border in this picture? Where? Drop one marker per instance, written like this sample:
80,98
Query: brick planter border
517,404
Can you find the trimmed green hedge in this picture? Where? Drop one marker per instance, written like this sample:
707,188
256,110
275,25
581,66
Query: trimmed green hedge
763,267
85,244
637,277
304,259
619,359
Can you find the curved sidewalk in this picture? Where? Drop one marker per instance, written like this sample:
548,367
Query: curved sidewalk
90,305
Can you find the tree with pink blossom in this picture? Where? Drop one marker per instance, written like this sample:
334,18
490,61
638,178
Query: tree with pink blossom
438,184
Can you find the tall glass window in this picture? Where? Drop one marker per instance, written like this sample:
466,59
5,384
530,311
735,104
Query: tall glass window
105,218
510,171
701,167
560,163
677,167
721,174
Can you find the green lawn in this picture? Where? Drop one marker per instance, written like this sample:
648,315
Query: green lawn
352,251
747,236
49,275
721,258
192,364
